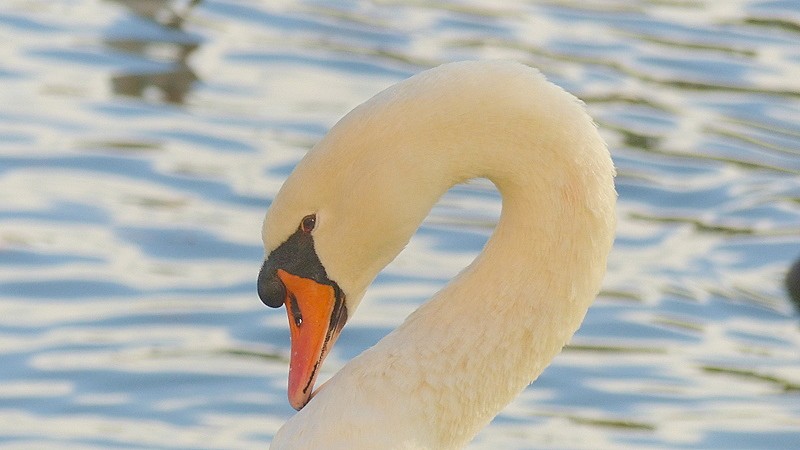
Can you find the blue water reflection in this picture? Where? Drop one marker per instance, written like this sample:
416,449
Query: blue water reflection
141,142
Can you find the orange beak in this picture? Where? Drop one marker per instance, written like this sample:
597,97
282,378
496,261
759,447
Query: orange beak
316,317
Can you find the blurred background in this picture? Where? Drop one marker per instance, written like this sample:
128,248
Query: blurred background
141,142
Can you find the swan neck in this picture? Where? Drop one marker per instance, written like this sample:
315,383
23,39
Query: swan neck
461,357
505,317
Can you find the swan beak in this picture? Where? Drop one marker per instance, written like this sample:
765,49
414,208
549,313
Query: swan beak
316,317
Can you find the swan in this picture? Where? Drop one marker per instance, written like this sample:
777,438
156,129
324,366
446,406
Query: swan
354,201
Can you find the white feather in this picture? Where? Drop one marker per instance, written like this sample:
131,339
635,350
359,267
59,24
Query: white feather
441,376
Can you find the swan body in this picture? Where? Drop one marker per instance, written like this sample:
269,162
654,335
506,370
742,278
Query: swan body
355,200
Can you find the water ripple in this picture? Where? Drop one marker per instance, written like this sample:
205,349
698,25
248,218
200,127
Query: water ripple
140,143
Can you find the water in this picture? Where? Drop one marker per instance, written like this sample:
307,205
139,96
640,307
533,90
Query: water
141,142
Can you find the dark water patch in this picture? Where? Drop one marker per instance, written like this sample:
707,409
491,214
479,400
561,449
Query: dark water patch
760,339
783,384
176,243
784,25
681,42
156,203
205,140
122,146
66,289
282,170
726,303
152,40
90,56
719,69
359,339
222,290
76,288
174,316
756,136
651,333
707,226
257,354
61,211
173,84
679,323
607,422
340,62
11,74
613,349
469,23
27,24
747,439
29,258
136,169
135,29
776,218
582,387
131,109
675,198
656,238
62,124
165,13
731,147
297,23
447,239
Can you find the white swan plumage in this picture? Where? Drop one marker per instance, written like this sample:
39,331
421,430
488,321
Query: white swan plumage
355,200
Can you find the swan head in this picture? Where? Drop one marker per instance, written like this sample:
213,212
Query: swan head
341,216
292,274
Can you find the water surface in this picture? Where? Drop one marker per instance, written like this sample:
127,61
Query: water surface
141,142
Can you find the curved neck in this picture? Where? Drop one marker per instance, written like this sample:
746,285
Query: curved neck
456,361
495,328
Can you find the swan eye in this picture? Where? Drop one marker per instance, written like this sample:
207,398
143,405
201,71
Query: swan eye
308,223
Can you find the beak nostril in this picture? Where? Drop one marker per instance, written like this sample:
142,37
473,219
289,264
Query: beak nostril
271,290
297,315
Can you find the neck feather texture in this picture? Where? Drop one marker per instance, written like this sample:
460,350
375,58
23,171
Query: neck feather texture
455,362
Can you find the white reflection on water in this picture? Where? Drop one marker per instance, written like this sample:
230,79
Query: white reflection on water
141,142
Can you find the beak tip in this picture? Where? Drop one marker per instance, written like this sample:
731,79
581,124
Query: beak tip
297,404
298,398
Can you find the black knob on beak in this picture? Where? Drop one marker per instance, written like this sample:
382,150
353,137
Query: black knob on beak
270,288
296,256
